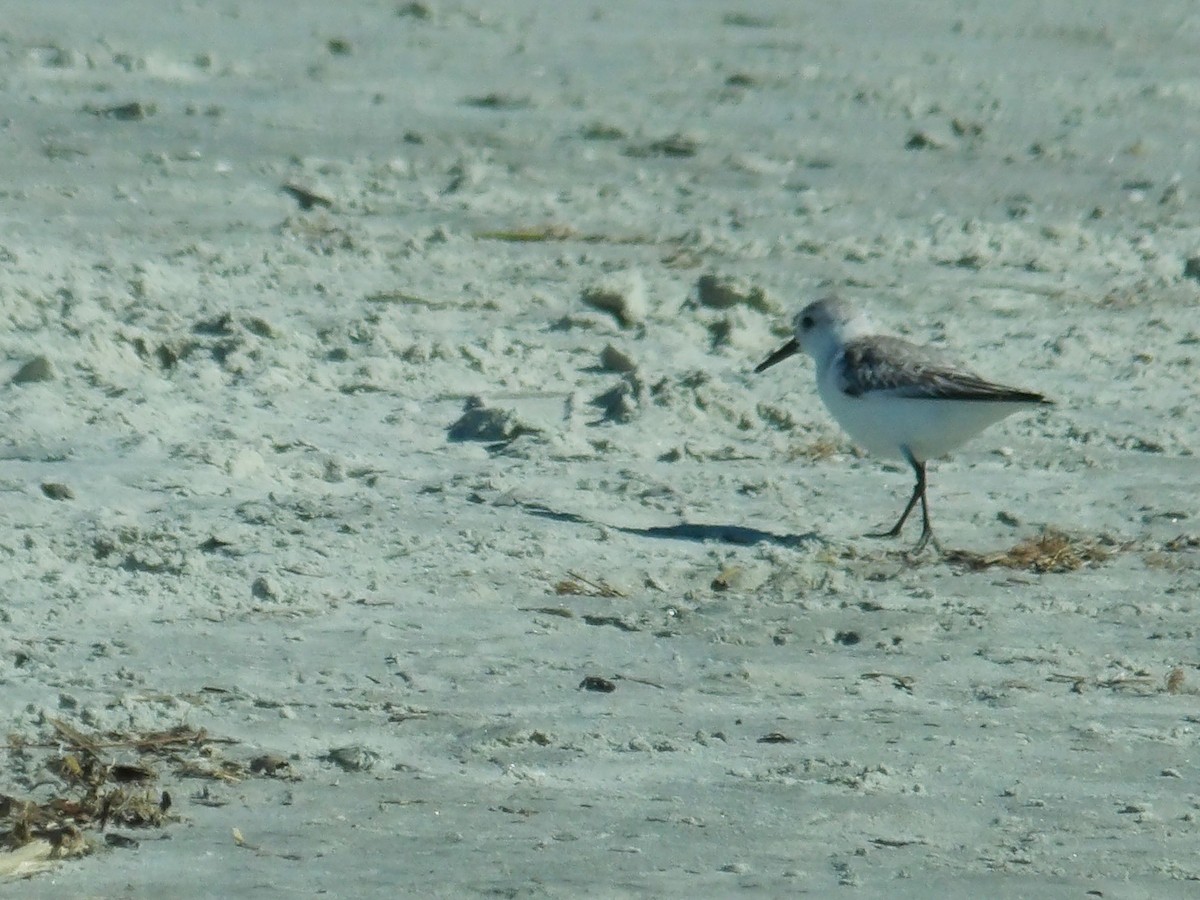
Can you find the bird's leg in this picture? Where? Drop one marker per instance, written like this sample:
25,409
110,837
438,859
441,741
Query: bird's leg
917,494
926,528
894,531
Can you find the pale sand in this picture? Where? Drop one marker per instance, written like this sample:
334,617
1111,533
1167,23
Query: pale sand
1016,182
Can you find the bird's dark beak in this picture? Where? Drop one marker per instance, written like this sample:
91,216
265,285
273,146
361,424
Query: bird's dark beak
790,348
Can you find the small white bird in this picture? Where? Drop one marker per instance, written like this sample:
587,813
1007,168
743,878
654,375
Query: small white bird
896,398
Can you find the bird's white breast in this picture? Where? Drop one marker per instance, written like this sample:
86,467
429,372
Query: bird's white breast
884,424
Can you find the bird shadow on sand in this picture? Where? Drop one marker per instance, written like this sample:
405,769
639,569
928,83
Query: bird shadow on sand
683,531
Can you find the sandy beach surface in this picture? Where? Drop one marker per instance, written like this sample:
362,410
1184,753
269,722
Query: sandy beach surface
385,479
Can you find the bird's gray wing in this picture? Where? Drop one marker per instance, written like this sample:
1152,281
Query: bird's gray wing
899,368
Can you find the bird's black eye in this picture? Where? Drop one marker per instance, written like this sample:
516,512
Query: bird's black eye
807,322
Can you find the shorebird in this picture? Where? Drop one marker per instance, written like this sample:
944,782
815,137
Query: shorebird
896,398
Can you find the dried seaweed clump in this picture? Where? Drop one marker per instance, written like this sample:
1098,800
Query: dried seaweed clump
86,790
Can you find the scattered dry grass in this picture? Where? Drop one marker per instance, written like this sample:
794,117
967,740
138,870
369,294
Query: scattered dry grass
1051,551
814,451
1141,682
578,586
530,234
550,233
